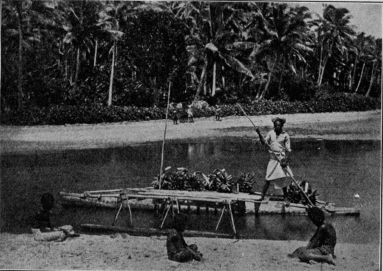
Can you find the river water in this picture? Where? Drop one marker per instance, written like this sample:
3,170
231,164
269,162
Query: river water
337,169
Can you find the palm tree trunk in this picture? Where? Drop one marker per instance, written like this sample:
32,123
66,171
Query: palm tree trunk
116,56
111,75
201,82
95,54
72,70
281,76
77,65
20,57
214,79
156,91
267,85
269,78
280,82
371,80
320,64
361,76
324,63
258,94
322,71
223,78
66,68
354,71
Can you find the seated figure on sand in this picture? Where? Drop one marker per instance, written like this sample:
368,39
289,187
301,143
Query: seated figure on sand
42,228
321,246
176,246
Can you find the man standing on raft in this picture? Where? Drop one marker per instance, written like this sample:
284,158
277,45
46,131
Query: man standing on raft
278,142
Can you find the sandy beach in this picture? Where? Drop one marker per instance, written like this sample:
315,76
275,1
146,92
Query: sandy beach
121,251
336,126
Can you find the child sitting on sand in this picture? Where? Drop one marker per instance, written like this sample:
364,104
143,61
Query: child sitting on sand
176,246
322,244
42,228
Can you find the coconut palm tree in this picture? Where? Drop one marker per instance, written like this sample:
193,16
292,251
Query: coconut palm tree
217,38
19,20
367,56
376,63
333,32
357,49
286,42
80,28
110,18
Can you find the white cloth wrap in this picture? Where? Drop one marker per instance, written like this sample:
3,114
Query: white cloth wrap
278,145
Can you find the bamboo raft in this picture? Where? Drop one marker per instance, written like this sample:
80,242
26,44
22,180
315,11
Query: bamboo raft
171,201
192,201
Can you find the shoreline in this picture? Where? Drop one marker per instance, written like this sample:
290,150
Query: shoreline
328,126
122,251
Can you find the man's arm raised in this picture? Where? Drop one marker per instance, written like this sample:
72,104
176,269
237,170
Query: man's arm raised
261,138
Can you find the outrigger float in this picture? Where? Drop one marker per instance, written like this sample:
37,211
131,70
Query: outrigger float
171,201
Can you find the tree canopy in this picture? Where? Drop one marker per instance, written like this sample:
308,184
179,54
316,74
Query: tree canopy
57,52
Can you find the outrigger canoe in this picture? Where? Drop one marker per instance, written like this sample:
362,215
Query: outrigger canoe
193,201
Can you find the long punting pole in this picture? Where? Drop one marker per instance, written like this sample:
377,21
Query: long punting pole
163,141
288,173
244,113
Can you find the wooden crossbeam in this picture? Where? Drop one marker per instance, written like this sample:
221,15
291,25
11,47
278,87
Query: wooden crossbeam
122,199
117,214
170,206
227,207
130,212
178,206
232,218
220,217
166,214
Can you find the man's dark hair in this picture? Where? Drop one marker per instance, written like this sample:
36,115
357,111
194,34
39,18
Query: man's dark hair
47,201
316,215
179,222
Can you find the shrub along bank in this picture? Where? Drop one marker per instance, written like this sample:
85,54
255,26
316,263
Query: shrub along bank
70,114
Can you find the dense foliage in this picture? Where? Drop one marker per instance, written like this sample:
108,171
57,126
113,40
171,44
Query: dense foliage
98,61
69,114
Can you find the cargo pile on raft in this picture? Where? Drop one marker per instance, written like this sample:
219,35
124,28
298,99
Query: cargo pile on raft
221,181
